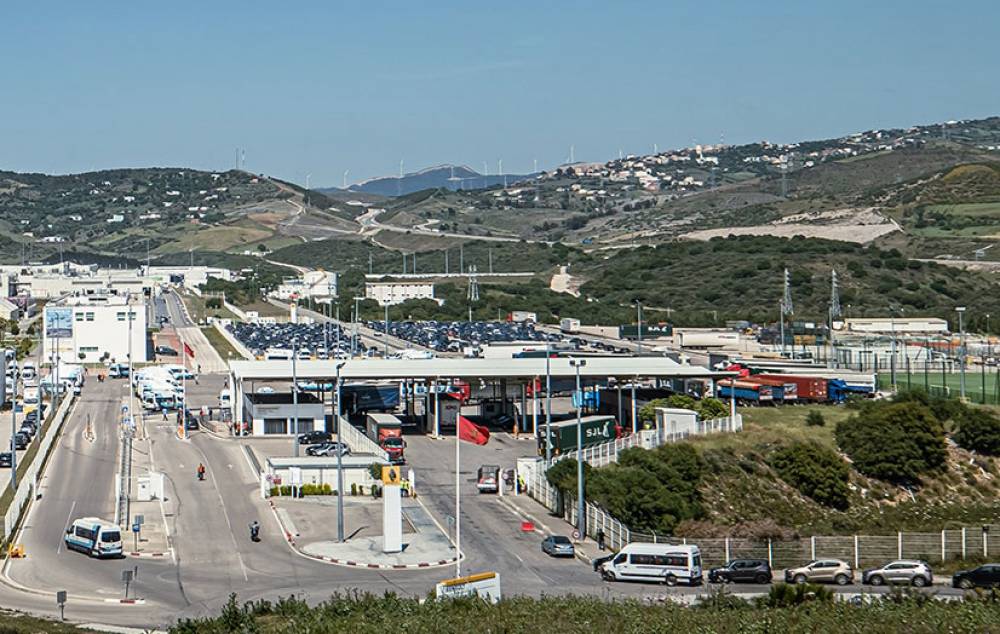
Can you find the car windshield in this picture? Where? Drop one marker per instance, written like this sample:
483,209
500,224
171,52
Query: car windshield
393,442
560,539
111,536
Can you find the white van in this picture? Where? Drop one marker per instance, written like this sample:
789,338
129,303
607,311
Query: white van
225,399
95,537
658,563
29,373
278,354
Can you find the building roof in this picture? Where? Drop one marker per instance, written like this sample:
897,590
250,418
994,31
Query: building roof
602,367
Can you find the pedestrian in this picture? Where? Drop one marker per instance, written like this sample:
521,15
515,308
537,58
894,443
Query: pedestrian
199,370
164,410
600,539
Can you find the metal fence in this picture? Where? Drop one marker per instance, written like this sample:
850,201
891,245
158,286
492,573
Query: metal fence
27,484
359,442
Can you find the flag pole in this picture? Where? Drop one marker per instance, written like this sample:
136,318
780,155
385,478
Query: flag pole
458,503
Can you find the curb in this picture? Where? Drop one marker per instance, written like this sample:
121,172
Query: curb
126,601
355,564
142,555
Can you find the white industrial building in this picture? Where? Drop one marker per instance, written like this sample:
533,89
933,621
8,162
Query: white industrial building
92,328
319,286
887,325
392,293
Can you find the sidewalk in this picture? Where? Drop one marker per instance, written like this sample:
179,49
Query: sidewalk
304,521
545,524
153,539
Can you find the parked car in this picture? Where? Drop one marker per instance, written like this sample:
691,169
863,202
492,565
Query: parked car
165,351
985,576
742,571
314,437
328,449
902,571
29,429
558,546
822,571
21,440
6,461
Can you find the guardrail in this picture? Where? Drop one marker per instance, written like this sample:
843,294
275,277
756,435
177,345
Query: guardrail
358,442
27,484
233,341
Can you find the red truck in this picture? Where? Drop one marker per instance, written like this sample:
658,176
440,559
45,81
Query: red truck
809,388
387,431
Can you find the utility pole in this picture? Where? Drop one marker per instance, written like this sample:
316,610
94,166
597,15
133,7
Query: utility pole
580,502
340,464
961,363
638,322
295,398
548,404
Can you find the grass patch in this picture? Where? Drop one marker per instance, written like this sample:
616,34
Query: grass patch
221,344
774,425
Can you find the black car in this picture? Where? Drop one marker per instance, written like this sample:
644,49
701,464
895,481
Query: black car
597,561
314,437
21,440
985,576
742,571
29,429
6,461
166,351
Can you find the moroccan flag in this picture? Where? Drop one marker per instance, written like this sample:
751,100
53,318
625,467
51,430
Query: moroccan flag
188,351
471,432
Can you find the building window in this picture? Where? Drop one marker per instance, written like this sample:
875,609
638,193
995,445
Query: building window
121,316
90,316
88,348
79,316
275,425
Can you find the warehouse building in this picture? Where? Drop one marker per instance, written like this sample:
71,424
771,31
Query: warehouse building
92,328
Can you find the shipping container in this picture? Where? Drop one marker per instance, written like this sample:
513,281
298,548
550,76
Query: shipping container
745,391
520,316
567,324
595,430
781,390
808,388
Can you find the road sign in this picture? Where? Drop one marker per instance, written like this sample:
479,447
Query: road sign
127,575
140,519
295,476
61,597
576,534
135,528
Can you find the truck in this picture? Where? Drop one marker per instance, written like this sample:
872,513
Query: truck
488,478
595,430
745,391
387,431
568,324
521,316
808,388
782,391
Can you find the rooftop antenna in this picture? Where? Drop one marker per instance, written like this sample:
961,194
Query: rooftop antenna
346,172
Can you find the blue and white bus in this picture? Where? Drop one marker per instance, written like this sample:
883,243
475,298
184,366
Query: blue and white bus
95,537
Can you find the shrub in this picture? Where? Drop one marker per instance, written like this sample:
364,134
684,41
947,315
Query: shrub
354,489
784,595
979,430
896,442
817,472
815,419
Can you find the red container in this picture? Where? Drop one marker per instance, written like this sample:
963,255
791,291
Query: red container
789,389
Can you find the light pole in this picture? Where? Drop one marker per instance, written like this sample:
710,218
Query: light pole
577,364
340,465
548,403
385,339
989,342
638,326
295,398
892,346
961,362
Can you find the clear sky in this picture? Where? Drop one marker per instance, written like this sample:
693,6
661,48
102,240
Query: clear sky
322,87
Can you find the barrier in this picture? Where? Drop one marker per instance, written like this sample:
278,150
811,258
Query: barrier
233,341
27,484
359,442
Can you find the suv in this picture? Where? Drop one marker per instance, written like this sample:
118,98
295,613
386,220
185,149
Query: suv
328,449
314,437
742,570
822,571
985,576
907,571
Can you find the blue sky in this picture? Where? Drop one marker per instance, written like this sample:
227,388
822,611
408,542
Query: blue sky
327,86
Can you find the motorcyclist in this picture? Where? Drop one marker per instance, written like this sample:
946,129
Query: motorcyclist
201,471
255,531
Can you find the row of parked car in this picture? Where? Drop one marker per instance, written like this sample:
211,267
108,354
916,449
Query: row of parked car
318,341
29,429
453,336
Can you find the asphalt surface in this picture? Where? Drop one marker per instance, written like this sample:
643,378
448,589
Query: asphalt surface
208,523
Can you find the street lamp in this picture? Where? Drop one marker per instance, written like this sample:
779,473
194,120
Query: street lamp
577,364
295,397
548,403
340,464
385,339
961,362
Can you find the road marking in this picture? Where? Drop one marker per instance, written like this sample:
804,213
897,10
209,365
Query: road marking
225,514
68,520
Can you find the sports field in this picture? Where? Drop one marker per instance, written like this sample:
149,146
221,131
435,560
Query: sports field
981,383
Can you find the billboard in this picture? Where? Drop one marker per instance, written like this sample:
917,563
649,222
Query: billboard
59,322
648,331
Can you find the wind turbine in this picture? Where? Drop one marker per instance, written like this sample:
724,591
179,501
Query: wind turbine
346,172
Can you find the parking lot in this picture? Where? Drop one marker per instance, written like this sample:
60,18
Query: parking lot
321,341
453,336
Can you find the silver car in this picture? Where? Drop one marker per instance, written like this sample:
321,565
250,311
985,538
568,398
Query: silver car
902,571
558,546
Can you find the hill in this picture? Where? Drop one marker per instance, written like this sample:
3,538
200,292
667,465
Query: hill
453,177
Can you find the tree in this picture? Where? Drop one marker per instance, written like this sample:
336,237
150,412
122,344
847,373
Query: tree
979,430
896,442
814,470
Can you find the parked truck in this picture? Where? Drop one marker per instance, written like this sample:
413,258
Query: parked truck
594,429
570,325
808,388
387,431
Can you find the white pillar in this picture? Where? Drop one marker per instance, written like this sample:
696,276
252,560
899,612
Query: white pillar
857,554
392,519
899,545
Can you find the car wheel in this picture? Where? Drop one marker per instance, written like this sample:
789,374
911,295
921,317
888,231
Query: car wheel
965,584
876,580
919,582
799,579
841,580
670,580
761,579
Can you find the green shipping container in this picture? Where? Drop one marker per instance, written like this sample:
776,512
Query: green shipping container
595,430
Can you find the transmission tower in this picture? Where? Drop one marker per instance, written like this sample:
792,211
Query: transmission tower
787,308
835,310
473,285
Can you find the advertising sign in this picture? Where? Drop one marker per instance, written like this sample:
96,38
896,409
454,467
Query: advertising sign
59,322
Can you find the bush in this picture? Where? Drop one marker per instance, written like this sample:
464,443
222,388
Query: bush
817,472
815,419
896,442
979,430
784,595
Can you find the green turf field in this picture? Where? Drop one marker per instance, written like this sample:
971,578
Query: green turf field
981,384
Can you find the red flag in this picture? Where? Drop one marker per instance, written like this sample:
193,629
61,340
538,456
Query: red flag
471,432
188,351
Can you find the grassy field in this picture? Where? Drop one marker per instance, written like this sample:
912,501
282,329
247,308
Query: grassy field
199,313
981,383
774,425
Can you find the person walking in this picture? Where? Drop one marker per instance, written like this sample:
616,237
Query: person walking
600,539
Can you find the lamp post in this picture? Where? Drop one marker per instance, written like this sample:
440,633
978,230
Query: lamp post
577,364
961,362
385,339
340,464
638,326
548,403
295,398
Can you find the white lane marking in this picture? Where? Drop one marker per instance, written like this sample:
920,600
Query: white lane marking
68,520
225,514
163,511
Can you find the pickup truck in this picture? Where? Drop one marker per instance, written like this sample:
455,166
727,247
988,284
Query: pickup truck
488,478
